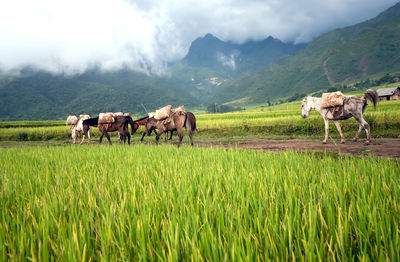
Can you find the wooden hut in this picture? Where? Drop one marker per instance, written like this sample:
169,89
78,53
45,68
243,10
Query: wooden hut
391,93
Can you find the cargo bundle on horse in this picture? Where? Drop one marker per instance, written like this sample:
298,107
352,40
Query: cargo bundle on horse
331,108
77,127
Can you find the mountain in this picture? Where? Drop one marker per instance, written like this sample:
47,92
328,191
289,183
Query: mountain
211,62
213,71
38,95
338,57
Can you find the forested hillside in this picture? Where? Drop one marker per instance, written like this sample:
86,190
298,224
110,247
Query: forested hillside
341,56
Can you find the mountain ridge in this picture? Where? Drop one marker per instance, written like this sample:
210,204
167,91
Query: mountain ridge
213,71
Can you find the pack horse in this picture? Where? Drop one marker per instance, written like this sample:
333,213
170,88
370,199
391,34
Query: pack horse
352,106
76,124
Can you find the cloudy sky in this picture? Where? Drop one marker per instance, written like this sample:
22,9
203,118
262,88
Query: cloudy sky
73,35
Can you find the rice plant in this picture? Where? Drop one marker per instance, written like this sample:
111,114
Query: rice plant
163,203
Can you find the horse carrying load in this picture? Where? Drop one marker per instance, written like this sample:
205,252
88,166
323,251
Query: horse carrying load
106,118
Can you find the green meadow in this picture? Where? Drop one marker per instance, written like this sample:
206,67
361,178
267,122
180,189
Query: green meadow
85,203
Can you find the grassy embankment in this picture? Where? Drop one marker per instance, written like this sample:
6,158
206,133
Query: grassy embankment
280,121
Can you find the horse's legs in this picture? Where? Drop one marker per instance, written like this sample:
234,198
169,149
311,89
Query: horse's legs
108,138
158,136
166,137
357,136
326,130
365,125
73,134
88,136
342,139
191,136
180,136
170,138
144,133
129,138
83,138
101,138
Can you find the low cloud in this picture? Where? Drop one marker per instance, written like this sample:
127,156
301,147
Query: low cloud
146,35
228,60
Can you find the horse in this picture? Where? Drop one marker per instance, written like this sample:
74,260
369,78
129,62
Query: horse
78,128
142,122
120,124
176,121
353,106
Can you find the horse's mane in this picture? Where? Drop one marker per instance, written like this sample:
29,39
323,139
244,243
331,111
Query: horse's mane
143,118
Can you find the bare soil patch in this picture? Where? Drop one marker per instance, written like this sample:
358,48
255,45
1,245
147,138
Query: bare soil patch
388,147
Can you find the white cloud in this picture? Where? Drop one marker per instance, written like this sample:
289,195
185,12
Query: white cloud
73,35
228,60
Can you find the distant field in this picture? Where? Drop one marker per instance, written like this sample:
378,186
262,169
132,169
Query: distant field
275,121
90,203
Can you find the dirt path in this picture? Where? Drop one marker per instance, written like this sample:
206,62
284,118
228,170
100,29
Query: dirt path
388,147
384,147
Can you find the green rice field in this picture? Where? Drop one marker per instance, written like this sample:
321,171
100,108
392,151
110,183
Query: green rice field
63,202
90,203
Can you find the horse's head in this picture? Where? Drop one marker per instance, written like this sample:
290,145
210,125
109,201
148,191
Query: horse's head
150,125
85,126
306,107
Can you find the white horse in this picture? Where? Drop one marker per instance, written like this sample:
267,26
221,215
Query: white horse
78,128
353,106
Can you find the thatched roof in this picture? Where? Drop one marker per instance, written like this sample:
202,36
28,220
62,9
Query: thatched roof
386,91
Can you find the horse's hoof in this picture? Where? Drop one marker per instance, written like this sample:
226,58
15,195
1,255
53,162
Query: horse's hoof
323,142
367,143
343,142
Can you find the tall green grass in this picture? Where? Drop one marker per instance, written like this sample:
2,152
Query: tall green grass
163,203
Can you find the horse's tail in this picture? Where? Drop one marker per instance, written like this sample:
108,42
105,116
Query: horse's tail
192,121
130,121
372,96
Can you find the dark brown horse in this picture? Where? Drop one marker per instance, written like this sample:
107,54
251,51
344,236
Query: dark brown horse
120,125
176,121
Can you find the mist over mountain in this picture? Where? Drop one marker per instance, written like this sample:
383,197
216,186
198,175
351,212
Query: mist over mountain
213,71
341,56
212,62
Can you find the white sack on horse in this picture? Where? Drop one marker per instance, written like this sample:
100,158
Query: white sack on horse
84,116
106,118
332,99
178,109
151,114
71,120
118,114
163,113
127,114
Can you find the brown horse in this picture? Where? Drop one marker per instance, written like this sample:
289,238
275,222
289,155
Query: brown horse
142,122
176,121
120,125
